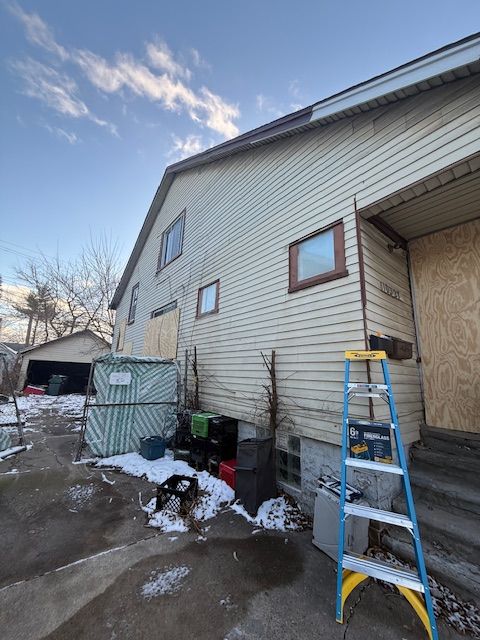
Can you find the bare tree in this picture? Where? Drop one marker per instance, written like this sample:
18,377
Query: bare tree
68,296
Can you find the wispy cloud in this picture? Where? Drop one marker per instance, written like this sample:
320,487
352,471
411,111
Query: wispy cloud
204,107
69,136
56,90
198,61
185,147
38,32
161,57
170,89
266,105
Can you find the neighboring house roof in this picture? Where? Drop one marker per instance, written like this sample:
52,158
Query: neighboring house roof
85,332
14,347
456,60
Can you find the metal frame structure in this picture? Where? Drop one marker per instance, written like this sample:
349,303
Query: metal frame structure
92,405
352,568
21,439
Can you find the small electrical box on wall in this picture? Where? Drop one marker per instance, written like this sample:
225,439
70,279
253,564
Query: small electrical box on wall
395,348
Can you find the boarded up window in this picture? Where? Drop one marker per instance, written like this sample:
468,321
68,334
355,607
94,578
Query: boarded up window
121,335
161,335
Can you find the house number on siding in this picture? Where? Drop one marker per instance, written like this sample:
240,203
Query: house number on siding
394,293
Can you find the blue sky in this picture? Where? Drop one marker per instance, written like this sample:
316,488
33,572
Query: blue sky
99,96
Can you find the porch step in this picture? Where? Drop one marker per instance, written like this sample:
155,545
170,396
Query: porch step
454,461
450,528
445,488
446,565
450,441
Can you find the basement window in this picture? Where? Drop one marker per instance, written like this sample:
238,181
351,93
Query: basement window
317,258
172,240
208,298
289,470
171,306
133,303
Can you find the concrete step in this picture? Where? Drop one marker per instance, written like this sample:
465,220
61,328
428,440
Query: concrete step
449,441
457,462
451,528
444,488
458,574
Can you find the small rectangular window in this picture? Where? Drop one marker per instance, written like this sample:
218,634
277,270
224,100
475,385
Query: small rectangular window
162,310
208,298
172,239
317,258
133,303
289,470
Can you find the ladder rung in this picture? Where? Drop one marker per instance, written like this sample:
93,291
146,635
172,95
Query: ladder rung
366,394
356,422
382,571
362,511
374,466
366,385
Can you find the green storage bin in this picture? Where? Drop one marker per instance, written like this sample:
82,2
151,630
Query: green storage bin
200,423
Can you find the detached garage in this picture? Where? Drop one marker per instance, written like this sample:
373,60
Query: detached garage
69,356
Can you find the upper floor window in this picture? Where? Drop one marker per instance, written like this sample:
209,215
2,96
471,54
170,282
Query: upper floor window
208,298
133,303
171,306
172,239
317,258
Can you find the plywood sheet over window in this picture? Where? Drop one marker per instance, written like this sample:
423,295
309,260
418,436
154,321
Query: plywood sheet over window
161,335
121,335
446,277
127,349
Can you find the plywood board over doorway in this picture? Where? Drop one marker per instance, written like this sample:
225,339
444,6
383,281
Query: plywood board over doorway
446,278
161,335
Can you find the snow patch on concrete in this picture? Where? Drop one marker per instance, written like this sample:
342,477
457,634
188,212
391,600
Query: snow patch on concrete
164,583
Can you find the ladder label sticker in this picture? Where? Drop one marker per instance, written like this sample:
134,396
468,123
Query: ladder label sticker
370,443
365,355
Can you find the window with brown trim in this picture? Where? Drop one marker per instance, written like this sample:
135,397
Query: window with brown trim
172,241
317,258
208,298
133,304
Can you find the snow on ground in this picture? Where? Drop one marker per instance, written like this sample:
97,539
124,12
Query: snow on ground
214,494
78,495
6,454
274,514
166,582
31,406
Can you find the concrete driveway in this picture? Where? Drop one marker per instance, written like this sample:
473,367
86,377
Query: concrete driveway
78,562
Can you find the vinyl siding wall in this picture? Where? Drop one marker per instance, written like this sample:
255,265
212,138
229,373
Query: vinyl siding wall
241,214
393,317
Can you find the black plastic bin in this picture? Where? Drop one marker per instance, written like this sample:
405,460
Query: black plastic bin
255,473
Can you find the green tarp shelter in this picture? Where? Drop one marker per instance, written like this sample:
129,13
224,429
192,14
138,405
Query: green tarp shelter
134,387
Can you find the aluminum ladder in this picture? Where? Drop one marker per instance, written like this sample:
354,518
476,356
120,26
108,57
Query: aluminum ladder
353,568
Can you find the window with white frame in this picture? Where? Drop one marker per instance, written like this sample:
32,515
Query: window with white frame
208,298
289,470
172,239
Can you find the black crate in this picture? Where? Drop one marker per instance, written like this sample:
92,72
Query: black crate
177,494
221,426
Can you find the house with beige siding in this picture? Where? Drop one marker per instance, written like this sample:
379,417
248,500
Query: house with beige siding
355,217
71,355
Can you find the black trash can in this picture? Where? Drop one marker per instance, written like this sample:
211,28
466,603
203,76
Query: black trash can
255,473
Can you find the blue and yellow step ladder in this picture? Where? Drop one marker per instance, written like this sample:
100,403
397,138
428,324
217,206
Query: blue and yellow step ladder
353,568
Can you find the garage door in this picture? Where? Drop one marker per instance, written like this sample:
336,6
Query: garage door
446,282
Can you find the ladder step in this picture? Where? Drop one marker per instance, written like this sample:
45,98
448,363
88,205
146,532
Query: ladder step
367,394
366,385
379,515
374,466
369,423
382,571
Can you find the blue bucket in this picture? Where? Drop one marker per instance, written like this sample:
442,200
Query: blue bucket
152,447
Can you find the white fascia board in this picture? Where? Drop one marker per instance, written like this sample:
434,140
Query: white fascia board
435,65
